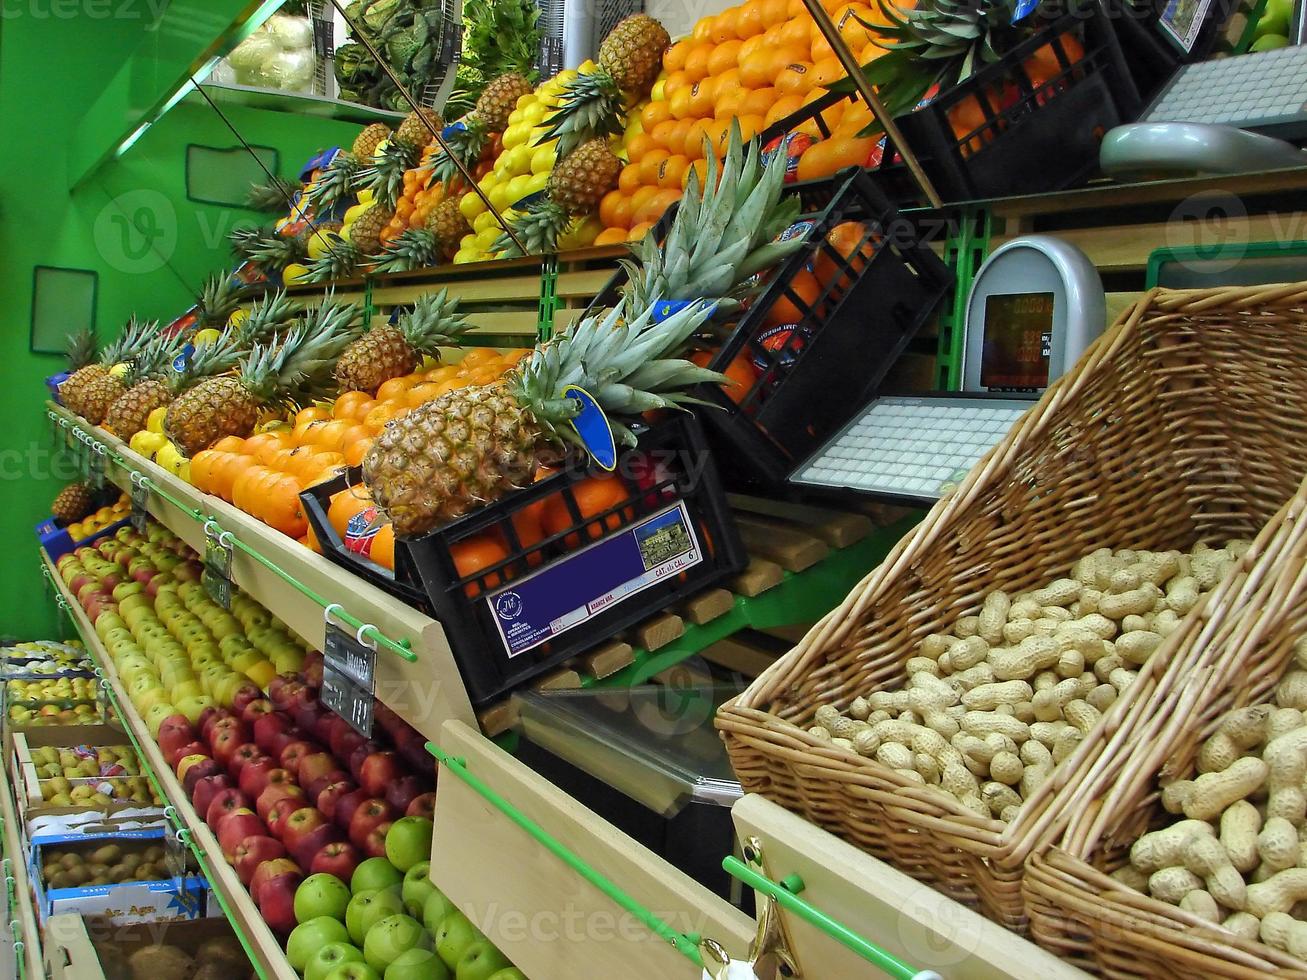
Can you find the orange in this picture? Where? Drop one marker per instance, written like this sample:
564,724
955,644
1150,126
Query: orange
775,12
795,78
671,173
869,54
329,436
699,167
475,357
755,68
718,132
749,19
759,102
797,33
629,179
855,119
638,145
848,20
783,107
638,232
676,80
740,371
846,239
649,164
679,103
474,555
611,236
827,72
702,99
376,419
607,207
421,394
229,444
696,64
356,450
676,136
832,155
442,373
344,406
782,57
394,388
785,310
723,26
724,57
362,408
621,211
654,113
674,57
750,126
383,546
310,414
726,81
729,103
821,49
750,47
703,28
482,375
694,137
594,496
641,197
656,205
201,468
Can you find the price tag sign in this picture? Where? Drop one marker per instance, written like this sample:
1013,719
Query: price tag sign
344,654
140,505
347,699
174,854
95,468
217,570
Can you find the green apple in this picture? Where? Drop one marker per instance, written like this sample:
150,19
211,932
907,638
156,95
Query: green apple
353,971
1275,18
329,958
321,894
390,937
481,961
1269,42
418,964
409,841
375,874
366,909
454,937
417,888
512,973
435,909
309,937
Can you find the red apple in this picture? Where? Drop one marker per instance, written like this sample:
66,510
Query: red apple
252,852
374,845
268,725
299,823
290,756
243,695
188,571
259,708
276,793
370,815
344,740
277,687
282,809
282,739
181,752
307,847
314,765
245,752
206,789
315,788
221,722
329,797
235,827
380,771
422,806
273,886
254,776
174,732
339,859
224,746
347,804
405,790
322,728
199,770
224,802
307,710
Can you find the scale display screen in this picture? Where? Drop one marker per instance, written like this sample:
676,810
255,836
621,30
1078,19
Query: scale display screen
1018,341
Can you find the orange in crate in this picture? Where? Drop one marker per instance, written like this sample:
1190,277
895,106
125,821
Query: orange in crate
805,286
740,371
593,496
833,155
846,238
475,554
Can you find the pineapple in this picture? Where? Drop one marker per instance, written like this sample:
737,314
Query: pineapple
591,106
419,248
366,142
275,374
336,181
499,98
343,256
398,155
471,446
719,258
275,195
465,139
91,390
386,351
413,131
268,248
80,351
216,303
577,185
72,504
146,389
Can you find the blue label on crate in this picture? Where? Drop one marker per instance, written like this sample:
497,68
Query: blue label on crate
533,610
591,424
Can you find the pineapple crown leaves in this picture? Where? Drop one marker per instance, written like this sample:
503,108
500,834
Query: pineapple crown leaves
297,366
268,314
244,241
434,322
272,196
134,337
80,349
154,359
724,231
538,228
466,138
589,107
413,248
208,361
340,260
386,175
629,366
216,302
335,182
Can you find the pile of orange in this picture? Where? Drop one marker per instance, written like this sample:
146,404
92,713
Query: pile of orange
264,474
754,64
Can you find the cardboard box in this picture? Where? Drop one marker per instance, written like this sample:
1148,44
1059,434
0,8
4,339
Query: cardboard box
126,903
89,947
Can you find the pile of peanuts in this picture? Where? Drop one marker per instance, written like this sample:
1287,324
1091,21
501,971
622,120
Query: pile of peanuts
1239,858
992,707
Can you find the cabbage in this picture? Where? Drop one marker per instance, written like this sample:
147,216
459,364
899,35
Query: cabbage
290,70
249,56
290,33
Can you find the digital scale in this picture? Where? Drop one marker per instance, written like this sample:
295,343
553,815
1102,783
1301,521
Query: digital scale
1034,307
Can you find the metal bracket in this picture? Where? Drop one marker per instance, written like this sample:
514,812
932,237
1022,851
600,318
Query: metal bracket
769,941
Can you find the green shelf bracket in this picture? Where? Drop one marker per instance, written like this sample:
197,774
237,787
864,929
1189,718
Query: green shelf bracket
963,254
549,304
801,597
785,893
686,944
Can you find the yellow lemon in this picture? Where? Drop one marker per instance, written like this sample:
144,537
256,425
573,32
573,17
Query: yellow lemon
209,335
295,272
538,136
536,183
470,205
237,317
146,443
587,67
565,76
487,238
519,159
481,222
517,188
367,195
515,117
499,196
353,214
534,113
490,180
155,421
118,370
525,100
465,255
168,457
184,471
514,135
581,234
657,94
544,157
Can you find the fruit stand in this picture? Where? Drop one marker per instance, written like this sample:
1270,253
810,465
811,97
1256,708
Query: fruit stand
543,496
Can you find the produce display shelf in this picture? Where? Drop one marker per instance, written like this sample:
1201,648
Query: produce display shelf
298,103
555,886
23,927
416,675
260,944
839,907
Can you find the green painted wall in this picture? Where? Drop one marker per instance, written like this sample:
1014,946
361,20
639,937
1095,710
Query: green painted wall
131,223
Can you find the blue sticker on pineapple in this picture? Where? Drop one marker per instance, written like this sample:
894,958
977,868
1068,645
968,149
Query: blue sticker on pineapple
591,424
1023,9
182,359
665,309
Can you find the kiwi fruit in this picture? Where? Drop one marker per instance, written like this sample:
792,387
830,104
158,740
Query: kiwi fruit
70,861
60,879
223,949
213,970
155,962
96,868
116,873
78,875
154,853
113,962
99,880
131,861
108,854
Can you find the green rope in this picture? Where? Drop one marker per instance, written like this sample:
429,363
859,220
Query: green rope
687,946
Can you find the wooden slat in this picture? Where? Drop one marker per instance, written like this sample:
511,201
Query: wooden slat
658,631
792,549
608,659
498,718
587,283
707,606
748,652
565,679
759,576
497,289
837,528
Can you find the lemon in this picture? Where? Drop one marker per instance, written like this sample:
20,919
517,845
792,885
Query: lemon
209,335
481,222
296,272
525,100
657,94
238,317
514,135
154,423
489,180
565,76
470,205
539,136
520,159
499,197
168,457
465,255
544,157
353,214
581,234
488,237
184,471
147,443
536,183
515,117
367,195
534,113
517,188
587,67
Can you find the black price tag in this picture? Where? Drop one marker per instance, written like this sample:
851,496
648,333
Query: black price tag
95,468
140,505
174,854
347,699
217,570
347,656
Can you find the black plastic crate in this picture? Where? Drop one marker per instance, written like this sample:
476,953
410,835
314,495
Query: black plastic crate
1033,134
593,573
810,373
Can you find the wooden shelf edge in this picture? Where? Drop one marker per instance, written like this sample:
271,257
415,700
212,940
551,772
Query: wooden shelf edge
244,914
24,912
425,693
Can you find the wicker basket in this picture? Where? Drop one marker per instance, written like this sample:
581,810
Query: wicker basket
1184,422
1235,659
